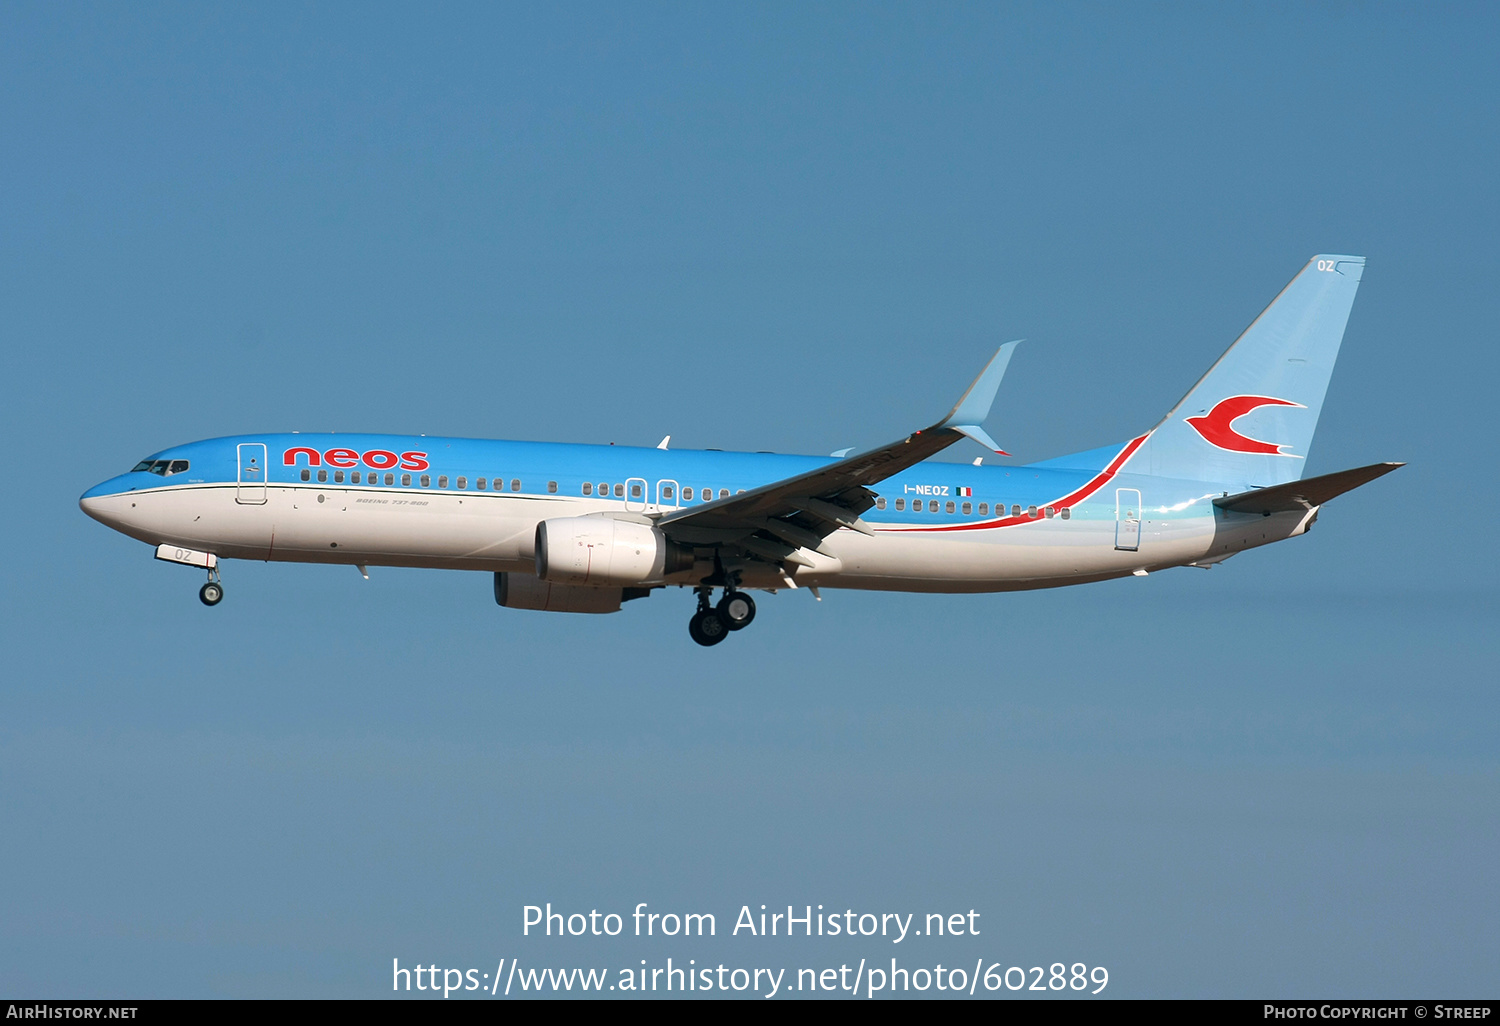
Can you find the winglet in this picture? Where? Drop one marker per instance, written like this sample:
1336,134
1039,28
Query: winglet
974,407
979,435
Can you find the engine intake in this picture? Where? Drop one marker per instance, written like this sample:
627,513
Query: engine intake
600,551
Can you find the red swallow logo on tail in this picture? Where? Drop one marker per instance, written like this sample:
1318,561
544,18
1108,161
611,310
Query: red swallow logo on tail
1217,425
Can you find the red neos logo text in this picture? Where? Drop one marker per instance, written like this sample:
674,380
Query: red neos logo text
376,459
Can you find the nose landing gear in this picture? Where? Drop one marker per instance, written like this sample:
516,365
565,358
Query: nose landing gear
212,593
711,624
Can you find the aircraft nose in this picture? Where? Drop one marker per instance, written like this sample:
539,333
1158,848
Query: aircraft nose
102,502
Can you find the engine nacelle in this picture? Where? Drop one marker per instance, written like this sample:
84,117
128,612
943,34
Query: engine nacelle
523,591
598,550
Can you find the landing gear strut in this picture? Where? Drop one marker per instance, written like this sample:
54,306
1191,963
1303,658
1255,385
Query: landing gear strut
212,593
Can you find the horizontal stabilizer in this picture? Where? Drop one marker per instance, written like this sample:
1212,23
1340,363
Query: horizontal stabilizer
1296,496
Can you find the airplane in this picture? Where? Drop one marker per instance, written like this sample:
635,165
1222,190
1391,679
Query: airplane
585,528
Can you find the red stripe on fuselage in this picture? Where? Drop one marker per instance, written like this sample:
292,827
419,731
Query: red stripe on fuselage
1072,498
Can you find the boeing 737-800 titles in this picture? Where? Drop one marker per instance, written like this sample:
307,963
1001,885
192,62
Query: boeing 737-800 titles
584,528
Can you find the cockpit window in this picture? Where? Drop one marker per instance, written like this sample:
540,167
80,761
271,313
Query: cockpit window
162,467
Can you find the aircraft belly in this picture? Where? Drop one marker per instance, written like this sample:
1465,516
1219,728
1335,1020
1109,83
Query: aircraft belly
1047,553
202,517
496,532
408,528
491,532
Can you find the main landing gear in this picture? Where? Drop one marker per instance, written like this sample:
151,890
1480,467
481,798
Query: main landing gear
212,593
711,624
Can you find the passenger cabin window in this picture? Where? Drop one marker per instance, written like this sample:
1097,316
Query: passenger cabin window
479,484
442,480
426,480
354,478
515,484
322,476
390,479
1015,509
666,491
306,474
463,483
1031,511
950,506
588,488
968,508
984,509
338,477
880,502
619,491
1067,514
687,493
405,480
1052,511
635,491
551,487
900,503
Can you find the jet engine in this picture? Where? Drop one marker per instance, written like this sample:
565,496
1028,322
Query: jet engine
598,550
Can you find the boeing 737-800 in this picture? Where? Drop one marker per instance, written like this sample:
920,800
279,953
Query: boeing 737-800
584,528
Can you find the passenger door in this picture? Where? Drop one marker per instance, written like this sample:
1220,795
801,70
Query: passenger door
251,482
1127,519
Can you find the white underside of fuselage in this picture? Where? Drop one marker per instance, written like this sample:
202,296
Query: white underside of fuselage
496,532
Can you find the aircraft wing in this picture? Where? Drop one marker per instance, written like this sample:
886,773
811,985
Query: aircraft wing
1305,494
773,522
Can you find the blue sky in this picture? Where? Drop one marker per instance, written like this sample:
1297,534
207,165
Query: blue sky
788,227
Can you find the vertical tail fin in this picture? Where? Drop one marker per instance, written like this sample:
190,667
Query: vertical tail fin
1249,421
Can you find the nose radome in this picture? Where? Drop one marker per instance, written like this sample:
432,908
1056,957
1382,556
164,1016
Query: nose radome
97,507
104,502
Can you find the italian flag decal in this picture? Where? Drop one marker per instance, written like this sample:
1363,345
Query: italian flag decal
963,491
